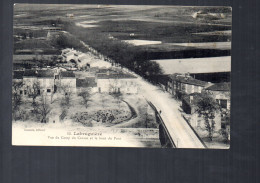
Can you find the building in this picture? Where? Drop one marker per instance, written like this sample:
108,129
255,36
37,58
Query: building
45,78
45,81
160,80
209,69
29,79
70,15
116,82
189,107
180,84
68,80
86,84
220,92
69,54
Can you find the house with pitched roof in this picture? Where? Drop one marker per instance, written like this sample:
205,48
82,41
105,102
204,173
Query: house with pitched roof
86,84
118,82
45,78
220,92
69,54
179,84
67,79
48,81
189,107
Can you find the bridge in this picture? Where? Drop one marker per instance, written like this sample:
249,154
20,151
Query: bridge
166,136
174,130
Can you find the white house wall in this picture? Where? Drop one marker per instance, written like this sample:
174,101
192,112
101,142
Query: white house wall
124,85
69,82
46,83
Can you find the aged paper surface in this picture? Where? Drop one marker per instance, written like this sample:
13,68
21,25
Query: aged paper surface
121,76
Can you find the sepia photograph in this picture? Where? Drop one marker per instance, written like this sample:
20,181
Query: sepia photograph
121,76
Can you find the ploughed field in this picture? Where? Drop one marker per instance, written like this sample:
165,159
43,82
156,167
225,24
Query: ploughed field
151,23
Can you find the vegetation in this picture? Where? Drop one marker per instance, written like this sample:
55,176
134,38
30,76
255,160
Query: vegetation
34,91
65,40
120,52
226,120
42,108
86,97
207,108
118,97
66,91
16,98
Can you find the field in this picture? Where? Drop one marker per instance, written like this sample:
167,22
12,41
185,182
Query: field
133,35
167,24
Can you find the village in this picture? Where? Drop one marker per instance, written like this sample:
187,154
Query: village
81,76
58,82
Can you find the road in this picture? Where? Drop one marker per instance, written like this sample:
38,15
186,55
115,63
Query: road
180,131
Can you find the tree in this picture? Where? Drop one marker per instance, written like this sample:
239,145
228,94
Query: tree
118,97
121,53
16,97
115,90
225,113
34,91
207,108
86,97
66,90
43,108
113,86
53,61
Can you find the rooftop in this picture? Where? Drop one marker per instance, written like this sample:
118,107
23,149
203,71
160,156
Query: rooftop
67,74
30,73
115,76
45,73
40,74
22,57
195,65
195,98
87,82
18,74
226,86
188,80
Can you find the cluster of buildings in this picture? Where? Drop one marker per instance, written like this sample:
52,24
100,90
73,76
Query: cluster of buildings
189,90
82,60
52,80
46,81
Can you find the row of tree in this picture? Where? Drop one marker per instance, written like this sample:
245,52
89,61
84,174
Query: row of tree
126,55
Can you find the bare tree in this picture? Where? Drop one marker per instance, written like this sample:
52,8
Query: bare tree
113,86
43,108
66,91
118,97
34,91
86,97
207,108
114,90
16,97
